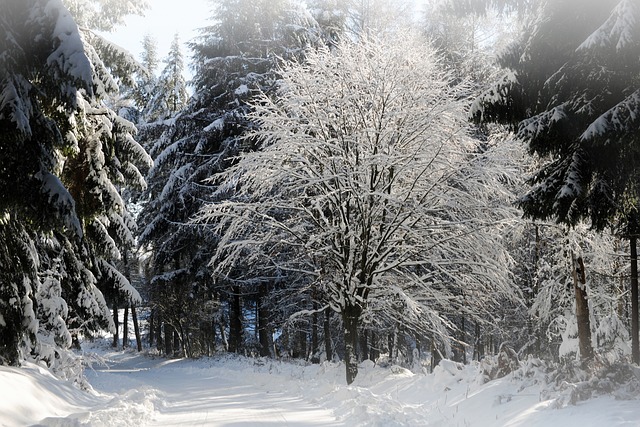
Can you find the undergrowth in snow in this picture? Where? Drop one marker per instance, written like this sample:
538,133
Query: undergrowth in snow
125,388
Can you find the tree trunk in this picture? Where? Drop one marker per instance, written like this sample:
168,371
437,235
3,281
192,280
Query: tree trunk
436,355
159,340
374,352
582,309
635,345
235,322
364,344
177,343
351,321
327,334
136,328
168,340
264,333
125,328
315,346
152,330
116,322
478,348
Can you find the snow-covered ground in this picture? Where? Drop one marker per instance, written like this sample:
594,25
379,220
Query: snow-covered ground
139,390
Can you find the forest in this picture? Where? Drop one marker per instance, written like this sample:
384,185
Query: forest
341,180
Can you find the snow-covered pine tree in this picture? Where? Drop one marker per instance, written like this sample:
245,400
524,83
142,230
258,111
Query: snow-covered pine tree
169,94
366,181
107,159
571,92
53,83
41,69
46,76
234,59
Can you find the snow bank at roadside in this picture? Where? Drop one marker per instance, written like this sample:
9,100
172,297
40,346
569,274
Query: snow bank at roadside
133,392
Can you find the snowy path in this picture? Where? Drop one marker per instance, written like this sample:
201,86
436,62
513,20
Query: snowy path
134,390
183,392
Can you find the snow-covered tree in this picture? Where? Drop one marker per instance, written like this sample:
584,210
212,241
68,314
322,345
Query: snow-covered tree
64,153
104,15
169,95
234,58
365,179
571,91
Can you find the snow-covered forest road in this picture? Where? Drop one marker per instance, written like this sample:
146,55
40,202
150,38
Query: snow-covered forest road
191,393
133,389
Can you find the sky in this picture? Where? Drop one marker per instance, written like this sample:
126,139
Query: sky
162,22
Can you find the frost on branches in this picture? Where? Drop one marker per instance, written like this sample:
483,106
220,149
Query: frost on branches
66,159
366,179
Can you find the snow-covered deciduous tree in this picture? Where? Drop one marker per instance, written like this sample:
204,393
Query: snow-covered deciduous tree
366,180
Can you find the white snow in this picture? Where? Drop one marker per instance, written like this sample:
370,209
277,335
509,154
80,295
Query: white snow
132,389
215,125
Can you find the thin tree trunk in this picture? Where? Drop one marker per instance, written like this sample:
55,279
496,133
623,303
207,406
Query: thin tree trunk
327,334
125,328
168,340
177,343
315,346
116,321
582,310
152,325
364,344
159,339
374,352
235,322
478,348
136,328
635,345
263,324
223,335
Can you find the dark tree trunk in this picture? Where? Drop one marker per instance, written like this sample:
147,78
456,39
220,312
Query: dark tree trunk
436,355
152,330
223,337
478,348
374,350
264,333
301,343
177,343
159,339
235,322
635,345
351,322
327,334
136,328
168,340
315,346
364,344
116,322
125,328
582,310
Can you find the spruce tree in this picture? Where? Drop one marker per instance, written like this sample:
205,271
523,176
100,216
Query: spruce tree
571,91
66,157
169,95
234,58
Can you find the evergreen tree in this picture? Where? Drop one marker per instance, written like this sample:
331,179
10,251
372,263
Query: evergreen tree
571,93
234,58
65,157
169,95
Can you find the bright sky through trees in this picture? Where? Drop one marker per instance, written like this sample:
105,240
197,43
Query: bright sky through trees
163,20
